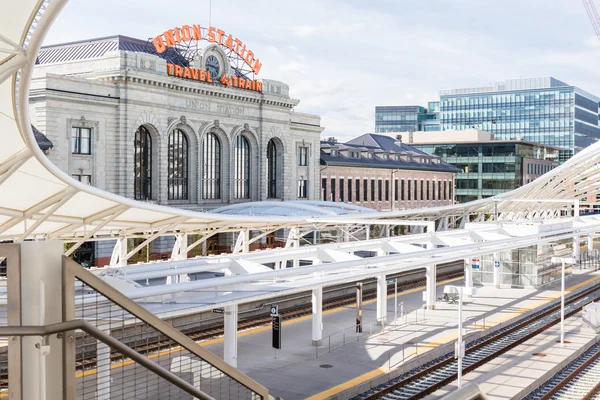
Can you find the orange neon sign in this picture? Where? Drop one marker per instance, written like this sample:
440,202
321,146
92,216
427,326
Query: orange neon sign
186,33
204,76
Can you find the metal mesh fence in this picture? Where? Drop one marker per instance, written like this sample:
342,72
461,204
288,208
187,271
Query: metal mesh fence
102,373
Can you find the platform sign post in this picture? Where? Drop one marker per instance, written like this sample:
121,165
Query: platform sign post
276,333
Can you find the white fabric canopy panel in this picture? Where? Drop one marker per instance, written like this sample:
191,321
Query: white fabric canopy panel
37,200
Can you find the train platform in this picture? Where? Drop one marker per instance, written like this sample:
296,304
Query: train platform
296,372
519,371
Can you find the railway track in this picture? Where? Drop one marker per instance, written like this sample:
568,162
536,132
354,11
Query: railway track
580,379
86,353
438,373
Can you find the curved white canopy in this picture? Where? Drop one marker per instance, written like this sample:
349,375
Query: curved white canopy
37,200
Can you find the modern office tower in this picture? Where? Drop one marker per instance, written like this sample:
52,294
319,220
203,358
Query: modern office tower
406,118
538,110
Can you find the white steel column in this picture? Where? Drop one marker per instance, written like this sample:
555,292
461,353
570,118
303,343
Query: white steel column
496,259
123,252
230,325
41,286
317,316
468,273
590,243
562,304
576,250
430,272
460,339
381,299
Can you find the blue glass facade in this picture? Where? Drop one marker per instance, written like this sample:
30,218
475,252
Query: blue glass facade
556,115
405,119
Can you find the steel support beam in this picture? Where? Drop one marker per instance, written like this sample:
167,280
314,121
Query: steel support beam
381,299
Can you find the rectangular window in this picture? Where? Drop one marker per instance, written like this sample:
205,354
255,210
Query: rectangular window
421,187
396,188
365,190
303,156
81,141
302,188
332,189
415,190
379,189
357,197
402,189
450,191
408,188
440,191
445,191
87,179
342,190
387,190
372,189
427,191
432,190
324,189
350,190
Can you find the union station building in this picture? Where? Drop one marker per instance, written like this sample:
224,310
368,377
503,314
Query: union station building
120,122
202,135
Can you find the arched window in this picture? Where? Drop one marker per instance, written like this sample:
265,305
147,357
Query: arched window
241,188
211,157
143,164
177,181
271,170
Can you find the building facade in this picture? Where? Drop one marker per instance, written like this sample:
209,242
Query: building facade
538,110
118,121
195,132
487,167
382,173
406,118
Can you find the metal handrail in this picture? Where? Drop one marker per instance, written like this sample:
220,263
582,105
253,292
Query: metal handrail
72,270
109,341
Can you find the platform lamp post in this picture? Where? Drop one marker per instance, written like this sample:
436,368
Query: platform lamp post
460,348
563,261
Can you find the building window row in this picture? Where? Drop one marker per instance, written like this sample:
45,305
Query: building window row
212,155
81,141
379,190
538,169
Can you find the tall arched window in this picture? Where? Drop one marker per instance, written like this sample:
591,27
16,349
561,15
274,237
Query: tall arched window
143,164
211,157
177,178
241,188
271,170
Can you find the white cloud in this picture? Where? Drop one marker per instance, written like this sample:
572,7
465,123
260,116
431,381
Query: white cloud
304,30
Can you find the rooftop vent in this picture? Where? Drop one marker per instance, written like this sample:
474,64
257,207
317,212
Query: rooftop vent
332,140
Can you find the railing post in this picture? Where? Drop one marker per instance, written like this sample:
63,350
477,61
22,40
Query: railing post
41,281
12,252
69,348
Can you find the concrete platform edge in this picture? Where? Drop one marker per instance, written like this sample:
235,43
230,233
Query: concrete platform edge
549,374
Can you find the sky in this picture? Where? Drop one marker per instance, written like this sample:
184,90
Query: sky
343,58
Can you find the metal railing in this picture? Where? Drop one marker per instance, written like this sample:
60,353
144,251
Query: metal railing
367,330
107,346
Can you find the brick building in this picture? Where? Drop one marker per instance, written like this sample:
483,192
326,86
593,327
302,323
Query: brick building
382,173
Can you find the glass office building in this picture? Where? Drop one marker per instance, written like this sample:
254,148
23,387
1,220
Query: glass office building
540,110
489,168
406,119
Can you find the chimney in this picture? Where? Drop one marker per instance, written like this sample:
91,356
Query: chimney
398,141
331,140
